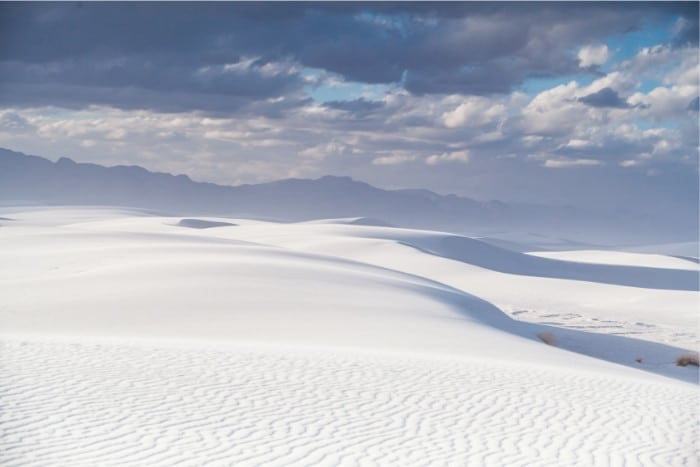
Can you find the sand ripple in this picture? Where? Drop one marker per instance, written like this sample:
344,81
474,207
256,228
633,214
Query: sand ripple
73,404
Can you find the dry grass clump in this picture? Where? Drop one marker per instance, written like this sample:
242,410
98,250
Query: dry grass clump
690,358
547,337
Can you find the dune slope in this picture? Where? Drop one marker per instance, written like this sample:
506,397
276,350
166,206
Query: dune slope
134,339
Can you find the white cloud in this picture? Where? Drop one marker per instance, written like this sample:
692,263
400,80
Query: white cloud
563,163
489,137
531,140
649,60
663,147
321,151
578,144
664,102
592,55
225,135
253,64
554,111
12,122
474,111
394,159
621,82
456,156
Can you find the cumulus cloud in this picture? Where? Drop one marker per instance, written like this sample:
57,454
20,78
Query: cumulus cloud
593,55
578,144
321,151
474,111
455,156
242,93
393,159
554,112
663,103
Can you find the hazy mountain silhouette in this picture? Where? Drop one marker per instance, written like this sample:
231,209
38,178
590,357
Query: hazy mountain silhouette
34,179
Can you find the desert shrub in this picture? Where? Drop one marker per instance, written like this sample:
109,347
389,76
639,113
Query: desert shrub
690,358
547,337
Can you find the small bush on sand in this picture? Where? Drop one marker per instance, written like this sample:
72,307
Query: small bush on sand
690,358
547,337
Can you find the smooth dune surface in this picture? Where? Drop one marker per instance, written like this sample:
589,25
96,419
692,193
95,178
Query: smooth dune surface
133,338
647,260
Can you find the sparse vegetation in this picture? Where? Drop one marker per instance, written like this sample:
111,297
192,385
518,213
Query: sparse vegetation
690,358
547,337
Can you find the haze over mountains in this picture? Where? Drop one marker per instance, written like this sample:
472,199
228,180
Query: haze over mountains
33,179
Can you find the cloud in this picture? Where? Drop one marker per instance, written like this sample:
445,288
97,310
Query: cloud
606,97
456,156
593,55
229,92
393,159
474,111
322,151
629,163
81,54
355,106
576,144
13,122
568,163
150,83
686,32
663,103
553,113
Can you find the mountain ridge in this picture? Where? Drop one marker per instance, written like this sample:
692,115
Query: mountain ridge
37,179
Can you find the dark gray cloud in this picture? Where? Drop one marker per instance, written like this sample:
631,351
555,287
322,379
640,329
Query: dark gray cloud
688,35
356,106
76,97
694,105
606,97
147,49
451,69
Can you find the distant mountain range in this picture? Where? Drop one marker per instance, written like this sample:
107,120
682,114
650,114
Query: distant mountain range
33,179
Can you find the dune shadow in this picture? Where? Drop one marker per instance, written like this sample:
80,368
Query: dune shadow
687,258
478,253
203,224
648,356
369,221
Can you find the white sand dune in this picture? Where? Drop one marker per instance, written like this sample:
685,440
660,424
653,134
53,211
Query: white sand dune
647,260
139,405
371,221
683,249
657,314
131,340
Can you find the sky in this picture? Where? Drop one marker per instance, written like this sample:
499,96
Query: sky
582,103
